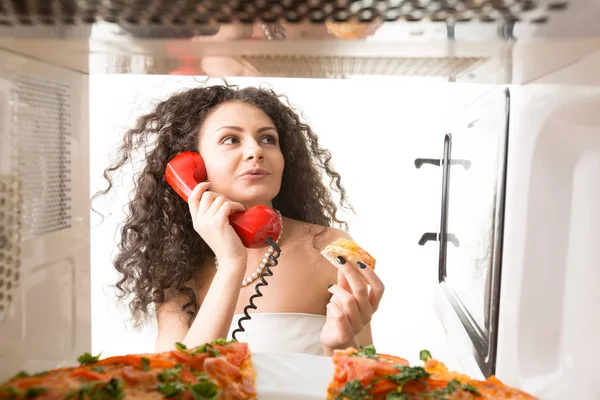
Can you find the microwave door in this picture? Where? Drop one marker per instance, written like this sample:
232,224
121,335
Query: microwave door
471,228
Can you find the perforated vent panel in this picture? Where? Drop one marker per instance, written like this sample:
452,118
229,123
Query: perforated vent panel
35,173
190,12
43,138
10,206
10,239
343,67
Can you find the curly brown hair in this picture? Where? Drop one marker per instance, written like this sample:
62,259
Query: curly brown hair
159,249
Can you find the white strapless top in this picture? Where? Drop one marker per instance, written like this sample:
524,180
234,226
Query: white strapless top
281,332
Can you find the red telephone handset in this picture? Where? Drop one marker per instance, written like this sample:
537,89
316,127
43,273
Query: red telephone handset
254,226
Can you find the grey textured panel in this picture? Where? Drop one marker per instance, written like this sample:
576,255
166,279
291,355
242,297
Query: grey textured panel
193,12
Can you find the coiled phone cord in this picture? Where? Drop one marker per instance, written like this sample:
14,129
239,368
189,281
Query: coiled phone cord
263,282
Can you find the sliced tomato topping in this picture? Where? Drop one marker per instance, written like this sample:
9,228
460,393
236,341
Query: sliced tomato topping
394,359
221,370
187,376
235,353
136,361
89,375
195,361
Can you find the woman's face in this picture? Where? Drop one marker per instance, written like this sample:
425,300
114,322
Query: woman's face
240,147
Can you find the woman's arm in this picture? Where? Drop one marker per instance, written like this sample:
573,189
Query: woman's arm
172,324
210,215
216,312
214,317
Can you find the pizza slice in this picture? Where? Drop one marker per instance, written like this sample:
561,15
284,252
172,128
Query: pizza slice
219,370
348,249
352,29
364,374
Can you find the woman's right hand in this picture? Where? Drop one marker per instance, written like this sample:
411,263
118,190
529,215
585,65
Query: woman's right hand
210,215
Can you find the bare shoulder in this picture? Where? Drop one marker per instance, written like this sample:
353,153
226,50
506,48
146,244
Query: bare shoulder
331,235
315,235
309,240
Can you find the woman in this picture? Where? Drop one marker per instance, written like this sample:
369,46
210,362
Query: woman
187,261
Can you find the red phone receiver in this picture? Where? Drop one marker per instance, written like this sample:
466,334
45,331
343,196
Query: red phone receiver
254,226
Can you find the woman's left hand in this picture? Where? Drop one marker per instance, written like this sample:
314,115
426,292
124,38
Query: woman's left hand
352,305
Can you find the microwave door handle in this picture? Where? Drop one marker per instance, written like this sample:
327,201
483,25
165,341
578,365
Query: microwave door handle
419,162
433,161
466,164
427,237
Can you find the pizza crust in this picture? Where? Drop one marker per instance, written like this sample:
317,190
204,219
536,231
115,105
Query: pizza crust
348,249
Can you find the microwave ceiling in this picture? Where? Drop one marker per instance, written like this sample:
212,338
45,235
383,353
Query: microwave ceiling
456,39
193,12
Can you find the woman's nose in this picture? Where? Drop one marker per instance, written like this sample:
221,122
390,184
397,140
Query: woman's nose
254,150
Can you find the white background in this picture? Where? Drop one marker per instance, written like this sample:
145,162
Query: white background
374,129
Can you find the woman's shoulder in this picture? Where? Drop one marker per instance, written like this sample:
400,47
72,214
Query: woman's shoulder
331,235
316,235
307,241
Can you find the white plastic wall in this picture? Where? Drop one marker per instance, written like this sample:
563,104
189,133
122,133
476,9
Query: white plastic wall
550,304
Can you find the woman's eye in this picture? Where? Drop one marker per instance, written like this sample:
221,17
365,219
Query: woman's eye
269,139
230,140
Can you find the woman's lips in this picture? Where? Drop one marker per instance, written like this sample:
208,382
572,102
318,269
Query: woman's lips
254,174
252,177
